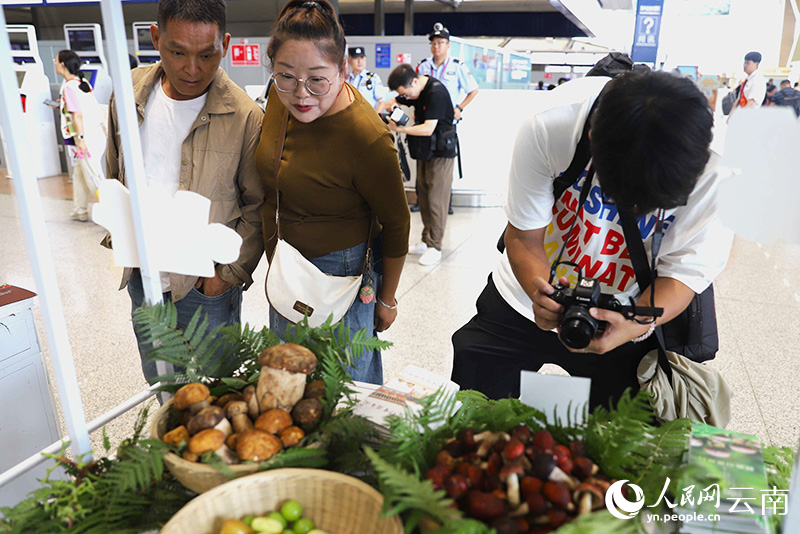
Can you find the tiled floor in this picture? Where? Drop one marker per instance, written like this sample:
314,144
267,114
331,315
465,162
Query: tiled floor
758,300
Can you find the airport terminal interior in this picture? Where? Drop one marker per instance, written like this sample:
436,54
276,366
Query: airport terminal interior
519,53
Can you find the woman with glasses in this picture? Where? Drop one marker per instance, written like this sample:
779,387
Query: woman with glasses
335,169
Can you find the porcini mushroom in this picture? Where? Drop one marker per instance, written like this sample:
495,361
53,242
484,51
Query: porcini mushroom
283,376
315,390
307,411
237,414
292,436
209,417
176,436
273,421
249,396
211,439
257,446
193,397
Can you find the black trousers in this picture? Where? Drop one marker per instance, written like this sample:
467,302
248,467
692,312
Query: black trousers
498,343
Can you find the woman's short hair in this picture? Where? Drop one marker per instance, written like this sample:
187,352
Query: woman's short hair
309,20
650,137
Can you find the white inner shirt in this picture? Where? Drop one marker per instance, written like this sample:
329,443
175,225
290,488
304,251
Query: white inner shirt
166,124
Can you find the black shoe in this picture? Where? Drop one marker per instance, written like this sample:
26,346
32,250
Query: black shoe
413,207
450,211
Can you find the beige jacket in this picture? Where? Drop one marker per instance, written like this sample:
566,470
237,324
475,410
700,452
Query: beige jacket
218,162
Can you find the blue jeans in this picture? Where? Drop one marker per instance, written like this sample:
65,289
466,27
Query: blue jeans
349,262
223,309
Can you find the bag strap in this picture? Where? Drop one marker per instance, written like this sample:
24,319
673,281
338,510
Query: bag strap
278,155
583,153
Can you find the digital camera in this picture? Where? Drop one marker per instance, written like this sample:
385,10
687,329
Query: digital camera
578,327
396,116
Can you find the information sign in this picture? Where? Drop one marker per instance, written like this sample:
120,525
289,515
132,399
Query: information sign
383,56
648,26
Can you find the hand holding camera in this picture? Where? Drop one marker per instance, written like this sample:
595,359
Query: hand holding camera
396,116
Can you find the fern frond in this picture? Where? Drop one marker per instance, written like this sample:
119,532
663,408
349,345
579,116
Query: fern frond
296,457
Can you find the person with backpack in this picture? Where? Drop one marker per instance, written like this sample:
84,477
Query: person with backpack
83,130
787,96
646,137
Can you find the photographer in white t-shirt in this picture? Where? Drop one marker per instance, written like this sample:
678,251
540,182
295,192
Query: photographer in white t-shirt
650,136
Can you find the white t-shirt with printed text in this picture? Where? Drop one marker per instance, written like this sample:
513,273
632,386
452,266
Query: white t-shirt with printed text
166,124
695,246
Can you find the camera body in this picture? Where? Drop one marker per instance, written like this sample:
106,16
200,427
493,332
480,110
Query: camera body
396,116
578,327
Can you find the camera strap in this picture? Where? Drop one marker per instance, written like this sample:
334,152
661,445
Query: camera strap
646,275
587,185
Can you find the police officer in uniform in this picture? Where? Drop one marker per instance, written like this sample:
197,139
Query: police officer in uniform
368,83
452,73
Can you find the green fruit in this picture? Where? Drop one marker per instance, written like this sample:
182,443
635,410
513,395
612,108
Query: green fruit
316,531
278,517
234,526
291,510
288,531
267,525
248,519
303,526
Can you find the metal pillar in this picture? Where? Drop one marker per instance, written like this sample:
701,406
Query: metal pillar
380,18
408,28
26,189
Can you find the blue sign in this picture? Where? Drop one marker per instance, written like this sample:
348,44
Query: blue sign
383,56
648,26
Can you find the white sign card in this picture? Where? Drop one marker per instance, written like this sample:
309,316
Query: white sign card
556,396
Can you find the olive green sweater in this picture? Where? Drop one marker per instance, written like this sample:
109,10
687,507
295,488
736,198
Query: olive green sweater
334,172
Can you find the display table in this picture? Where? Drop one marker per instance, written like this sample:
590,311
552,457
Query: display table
27,421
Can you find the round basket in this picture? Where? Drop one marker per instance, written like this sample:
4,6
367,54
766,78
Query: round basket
336,503
195,476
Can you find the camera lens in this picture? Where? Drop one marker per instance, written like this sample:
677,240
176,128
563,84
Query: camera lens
578,327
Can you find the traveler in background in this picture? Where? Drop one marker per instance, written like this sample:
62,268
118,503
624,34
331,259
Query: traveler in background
368,83
338,170
83,130
753,90
641,122
431,141
787,96
771,90
199,133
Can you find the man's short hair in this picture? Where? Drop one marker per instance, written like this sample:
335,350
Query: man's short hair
203,11
401,76
755,57
650,137
786,83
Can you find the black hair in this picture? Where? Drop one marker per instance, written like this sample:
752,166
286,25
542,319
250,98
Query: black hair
401,76
786,83
650,137
133,60
771,87
755,57
309,20
72,62
202,11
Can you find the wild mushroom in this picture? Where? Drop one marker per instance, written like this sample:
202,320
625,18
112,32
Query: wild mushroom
510,475
193,397
257,446
230,441
292,436
189,457
211,439
176,436
589,497
273,421
544,467
237,414
249,396
223,401
209,417
283,376
314,390
307,411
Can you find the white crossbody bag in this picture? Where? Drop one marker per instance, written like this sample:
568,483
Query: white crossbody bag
296,288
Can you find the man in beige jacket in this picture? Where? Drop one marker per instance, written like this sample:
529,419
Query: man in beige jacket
199,133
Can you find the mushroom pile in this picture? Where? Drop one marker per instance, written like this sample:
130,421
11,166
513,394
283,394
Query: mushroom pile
519,483
257,422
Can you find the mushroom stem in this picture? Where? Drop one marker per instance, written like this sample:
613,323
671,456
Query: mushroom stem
227,455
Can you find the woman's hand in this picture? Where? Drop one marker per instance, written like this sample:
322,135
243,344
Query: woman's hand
384,317
81,144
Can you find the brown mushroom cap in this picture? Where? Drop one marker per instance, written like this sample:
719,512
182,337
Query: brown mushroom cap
190,394
224,400
206,440
189,457
273,421
307,411
231,440
235,408
176,436
292,436
289,357
257,446
208,417
315,390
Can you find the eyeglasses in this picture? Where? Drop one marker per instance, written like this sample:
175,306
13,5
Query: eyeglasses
316,85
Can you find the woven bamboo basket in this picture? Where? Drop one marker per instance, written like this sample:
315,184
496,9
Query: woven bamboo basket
195,476
336,503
